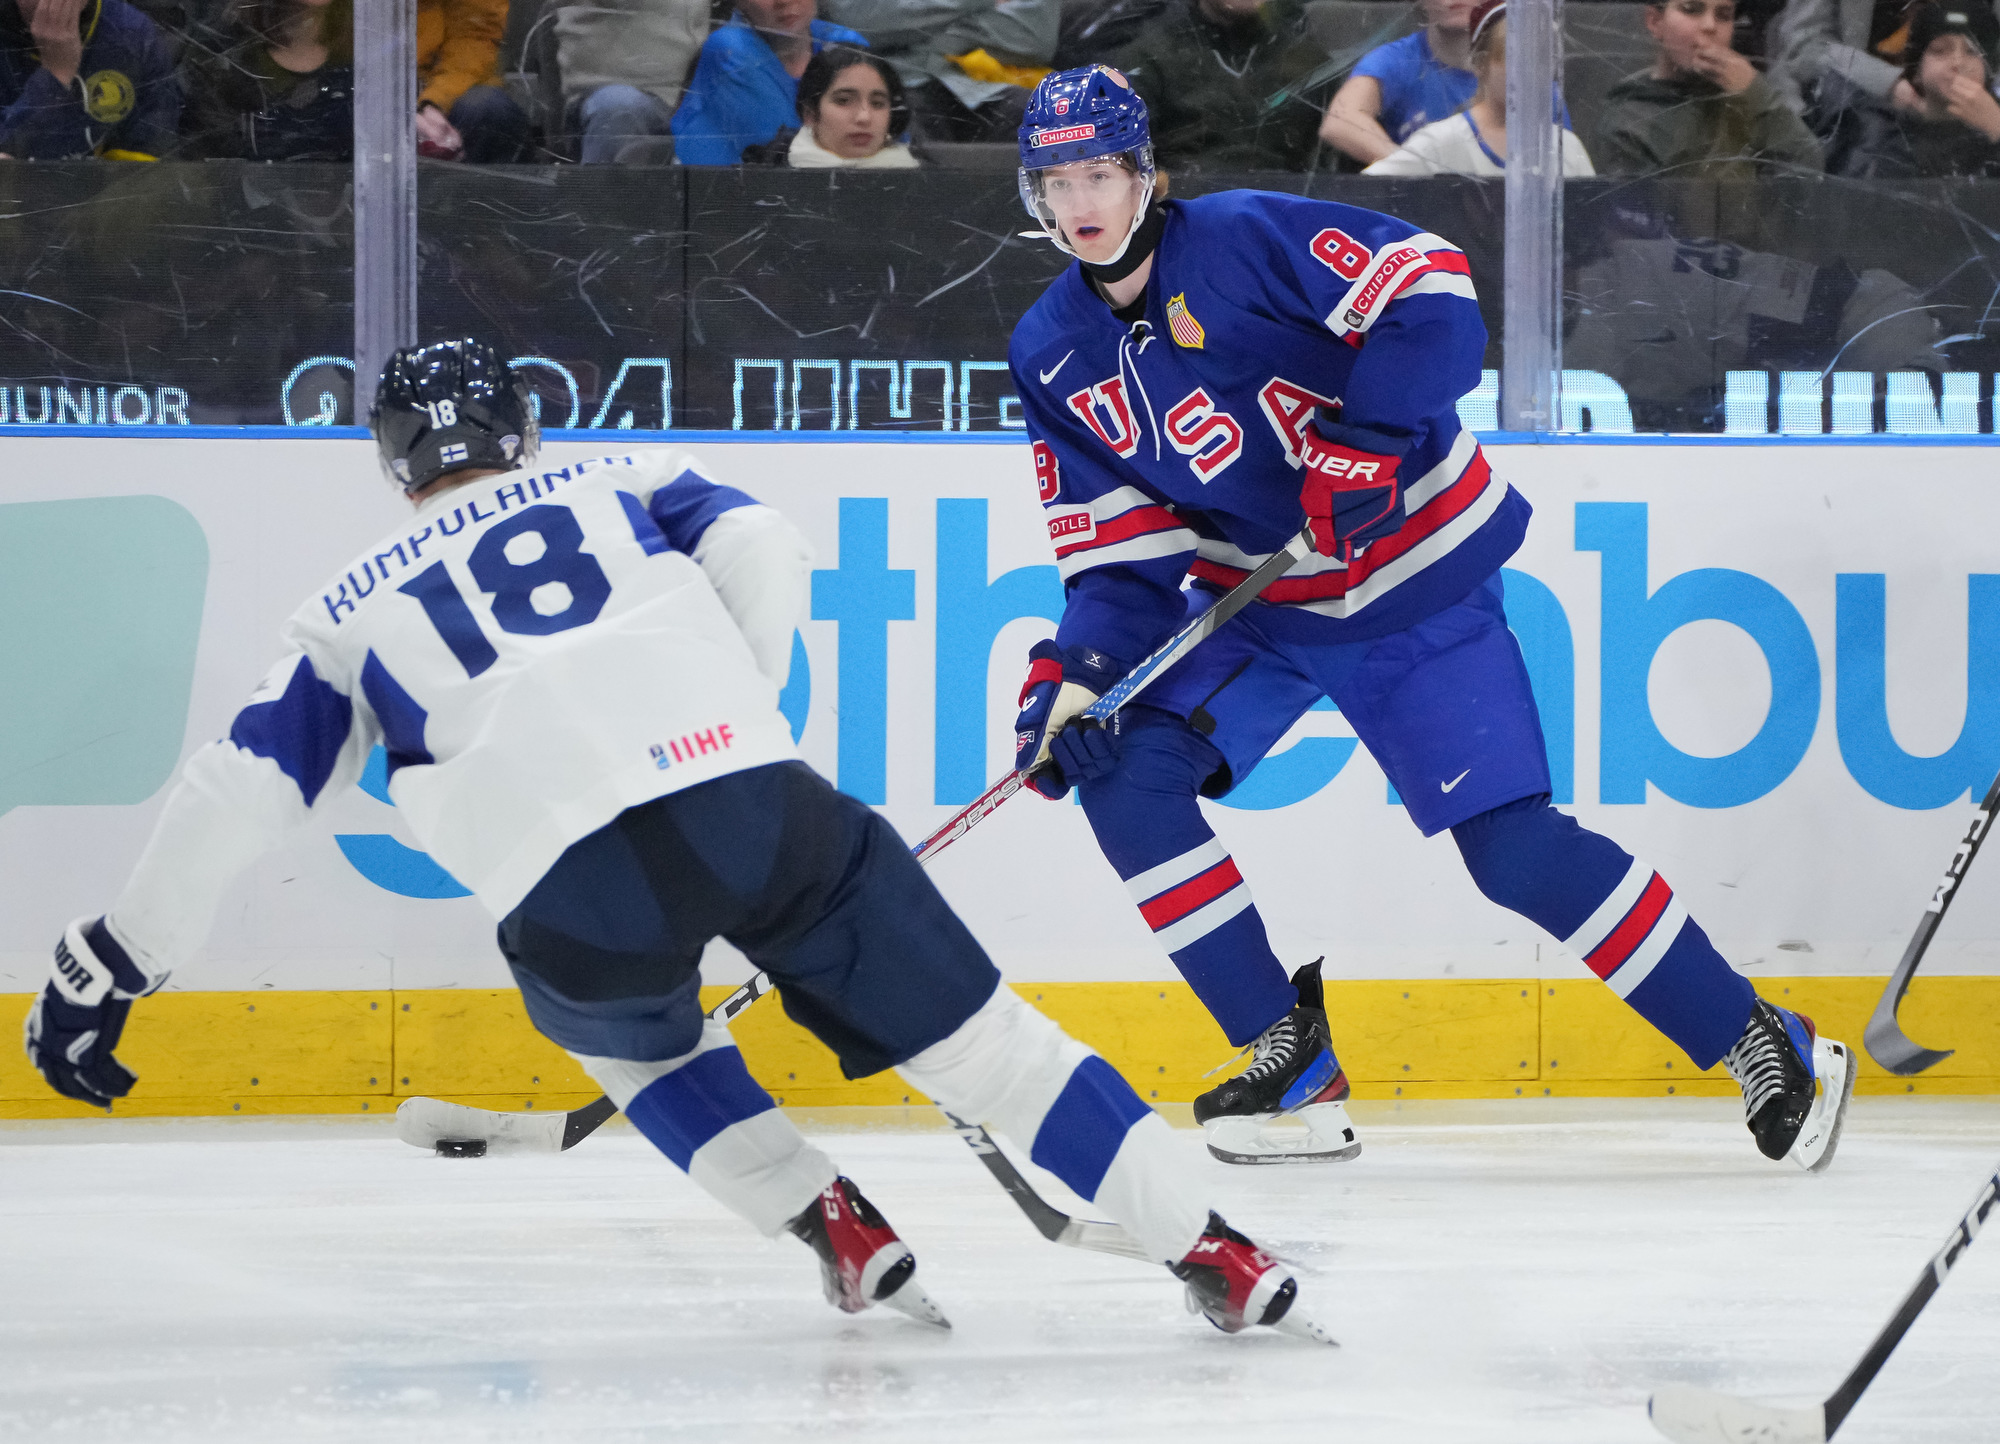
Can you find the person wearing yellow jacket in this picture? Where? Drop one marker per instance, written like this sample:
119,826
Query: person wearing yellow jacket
462,111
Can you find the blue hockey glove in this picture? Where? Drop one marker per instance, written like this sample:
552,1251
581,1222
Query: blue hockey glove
1351,496
76,1021
1055,751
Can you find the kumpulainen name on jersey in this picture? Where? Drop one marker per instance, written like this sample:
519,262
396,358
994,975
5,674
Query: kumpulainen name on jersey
559,567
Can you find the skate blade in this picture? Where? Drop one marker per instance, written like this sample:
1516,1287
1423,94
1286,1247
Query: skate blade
1317,1133
1833,1063
910,1299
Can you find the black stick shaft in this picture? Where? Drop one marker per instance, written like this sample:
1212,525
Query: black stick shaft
1884,1036
1843,1399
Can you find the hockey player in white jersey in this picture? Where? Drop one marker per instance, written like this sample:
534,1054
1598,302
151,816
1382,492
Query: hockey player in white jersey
574,672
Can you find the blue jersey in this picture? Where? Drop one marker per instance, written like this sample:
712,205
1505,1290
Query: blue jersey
1171,449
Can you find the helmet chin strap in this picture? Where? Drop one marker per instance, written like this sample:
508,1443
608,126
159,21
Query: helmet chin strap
1136,250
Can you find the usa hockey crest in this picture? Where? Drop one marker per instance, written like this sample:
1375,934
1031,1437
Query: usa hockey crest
1187,331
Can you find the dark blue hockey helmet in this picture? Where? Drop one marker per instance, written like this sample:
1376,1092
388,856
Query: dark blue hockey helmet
448,406
1091,113
1080,115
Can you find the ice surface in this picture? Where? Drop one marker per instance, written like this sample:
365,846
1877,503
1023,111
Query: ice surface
1505,1272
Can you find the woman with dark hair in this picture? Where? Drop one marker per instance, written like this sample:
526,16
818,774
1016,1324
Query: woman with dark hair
281,87
853,107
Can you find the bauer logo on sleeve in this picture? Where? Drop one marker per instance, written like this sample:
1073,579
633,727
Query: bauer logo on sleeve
1187,331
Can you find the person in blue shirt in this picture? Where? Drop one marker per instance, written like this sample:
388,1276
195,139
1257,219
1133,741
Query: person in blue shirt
84,79
746,84
1399,88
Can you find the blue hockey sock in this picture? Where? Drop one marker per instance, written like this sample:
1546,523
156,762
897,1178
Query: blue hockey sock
1013,1069
1615,913
707,1114
1150,826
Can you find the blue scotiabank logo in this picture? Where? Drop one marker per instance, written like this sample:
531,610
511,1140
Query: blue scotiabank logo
403,870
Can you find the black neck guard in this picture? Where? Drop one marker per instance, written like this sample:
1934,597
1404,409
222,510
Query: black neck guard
1145,241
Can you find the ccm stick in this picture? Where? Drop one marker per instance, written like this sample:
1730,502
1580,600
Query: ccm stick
458,1130
1887,1043
1689,1415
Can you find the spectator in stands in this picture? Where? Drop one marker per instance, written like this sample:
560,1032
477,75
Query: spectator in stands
1701,109
1474,142
462,111
1207,70
1955,131
81,78
969,64
624,67
1857,44
280,87
1403,86
855,112
746,85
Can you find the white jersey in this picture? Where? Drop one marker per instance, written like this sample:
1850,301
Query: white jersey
535,651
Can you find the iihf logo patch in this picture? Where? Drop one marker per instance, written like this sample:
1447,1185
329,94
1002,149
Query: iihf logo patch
1187,331
454,452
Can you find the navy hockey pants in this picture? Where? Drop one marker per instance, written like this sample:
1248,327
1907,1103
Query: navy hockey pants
810,884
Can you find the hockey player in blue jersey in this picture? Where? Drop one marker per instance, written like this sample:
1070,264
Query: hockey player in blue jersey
575,672
1209,375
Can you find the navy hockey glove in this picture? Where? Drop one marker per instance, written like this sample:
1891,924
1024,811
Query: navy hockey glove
1056,750
1351,496
76,1021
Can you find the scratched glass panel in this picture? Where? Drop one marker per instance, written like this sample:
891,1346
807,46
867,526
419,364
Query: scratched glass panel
1791,306
174,294
575,272
758,299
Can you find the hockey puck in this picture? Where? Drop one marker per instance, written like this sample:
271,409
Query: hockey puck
461,1148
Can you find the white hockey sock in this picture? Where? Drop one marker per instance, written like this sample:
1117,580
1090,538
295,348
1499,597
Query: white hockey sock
1014,1070
705,1112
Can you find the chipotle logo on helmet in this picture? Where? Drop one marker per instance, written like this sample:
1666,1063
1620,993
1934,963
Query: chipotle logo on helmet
1063,136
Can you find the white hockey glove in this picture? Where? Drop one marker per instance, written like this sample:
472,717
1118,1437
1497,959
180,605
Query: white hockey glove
77,1019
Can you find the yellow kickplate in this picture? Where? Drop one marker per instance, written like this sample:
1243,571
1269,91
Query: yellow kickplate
356,1052
234,1045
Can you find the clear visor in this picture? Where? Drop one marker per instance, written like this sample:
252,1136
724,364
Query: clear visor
1104,189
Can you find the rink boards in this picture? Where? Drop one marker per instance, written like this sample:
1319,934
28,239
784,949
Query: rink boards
1773,671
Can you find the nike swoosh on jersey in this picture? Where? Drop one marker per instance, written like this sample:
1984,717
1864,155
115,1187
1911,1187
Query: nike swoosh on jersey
1447,786
1050,374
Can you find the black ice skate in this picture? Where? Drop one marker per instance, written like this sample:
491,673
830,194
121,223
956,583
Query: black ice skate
1236,1286
1795,1085
861,1260
1290,1104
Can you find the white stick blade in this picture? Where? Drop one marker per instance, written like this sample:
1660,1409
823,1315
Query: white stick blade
1104,1238
421,1122
1689,1415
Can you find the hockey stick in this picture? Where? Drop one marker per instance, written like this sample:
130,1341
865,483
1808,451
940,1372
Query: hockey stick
457,1130
1130,685
1887,1043
1703,1416
1051,1222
